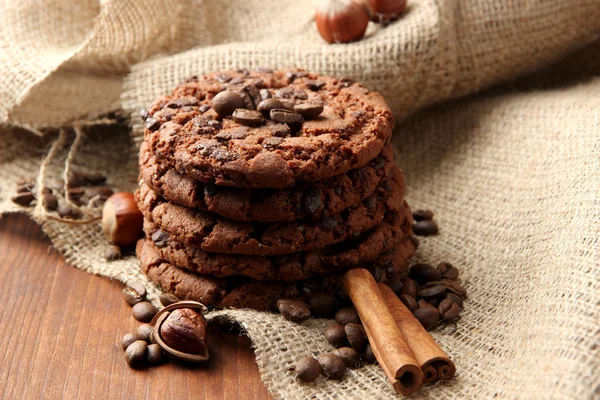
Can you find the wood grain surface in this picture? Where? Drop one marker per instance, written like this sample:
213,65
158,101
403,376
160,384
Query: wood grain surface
60,331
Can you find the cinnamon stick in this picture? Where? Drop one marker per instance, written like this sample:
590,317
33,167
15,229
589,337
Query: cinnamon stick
386,339
434,362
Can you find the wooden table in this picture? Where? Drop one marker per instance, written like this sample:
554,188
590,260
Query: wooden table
60,332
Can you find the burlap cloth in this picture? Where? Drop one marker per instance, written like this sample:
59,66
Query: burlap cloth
513,173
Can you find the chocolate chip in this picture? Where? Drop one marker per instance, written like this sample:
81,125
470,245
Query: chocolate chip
204,108
309,110
307,369
328,223
315,85
347,315
144,311
112,253
285,116
433,291
349,356
337,190
332,366
322,305
448,271
226,102
210,190
311,201
23,199
336,335
265,94
280,130
152,124
409,301
247,117
368,356
267,105
422,215
160,239
293,310
167,299
427,316
272,142
183,102
425,228
223,155
424,273
409,287
223,78
370,203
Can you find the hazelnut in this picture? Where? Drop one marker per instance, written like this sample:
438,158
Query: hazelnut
185,331
341,21
122,220
385,10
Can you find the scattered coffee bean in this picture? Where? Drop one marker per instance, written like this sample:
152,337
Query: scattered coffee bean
94,178
23,199
423,273
453,287
356,336
75,193
293,310
409,302
423,303
322,305
267,105
112,253
336,335
50,202
285,116
349,356
134,292
226,102
425,228
368,356
448,270
309,110
155,354
332,366
144,331
396,285
247,117
455,299
101,191
127,340
25,187
64,210
427,316
135,354
415,242
452,313
422,215
409,286
431,292
308,369
347,315
75,179
445,306
144,311
167,299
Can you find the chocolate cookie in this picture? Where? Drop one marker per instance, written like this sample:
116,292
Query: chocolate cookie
394,232
219,235
305,199
267,129
243,292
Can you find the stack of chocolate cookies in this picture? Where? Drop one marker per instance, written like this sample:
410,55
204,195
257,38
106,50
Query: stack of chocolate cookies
262,185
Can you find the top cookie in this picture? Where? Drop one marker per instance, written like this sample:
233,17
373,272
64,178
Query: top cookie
194,131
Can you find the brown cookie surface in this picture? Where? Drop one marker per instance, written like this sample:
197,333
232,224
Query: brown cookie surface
203,138
241,292
219,235
305,199
394,232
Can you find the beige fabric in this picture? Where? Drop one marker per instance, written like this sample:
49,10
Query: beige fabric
513,174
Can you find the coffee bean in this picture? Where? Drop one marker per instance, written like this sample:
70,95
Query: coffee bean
322,305
396,285
332,366
347,315
448,270
134,292
100,191
160,238
247,117
144,331
112,253
308,369
349,356
430,292
336,335
95,178
455,299
226,102
75,193
409,302
265,94
425,228
453,287
167,299
368,356
452,313
152,123
23,199
155,354
300,95
254,94
409,286
267,105
422,215
434,301
50,202
127,340
423,303
309,110
285,116
75,179
144,311
64,210
356,336
445,306
423,273
26,187
293,310
135,354
427,316
415,242
288,104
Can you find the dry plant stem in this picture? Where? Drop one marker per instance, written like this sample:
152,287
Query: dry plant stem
428,354
389,345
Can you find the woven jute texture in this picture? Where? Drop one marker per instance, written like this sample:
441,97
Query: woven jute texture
512,172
